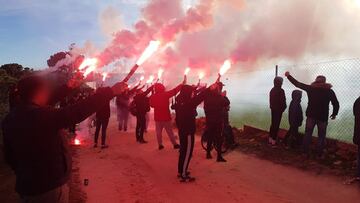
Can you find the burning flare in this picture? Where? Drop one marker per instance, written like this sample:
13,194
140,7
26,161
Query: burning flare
89,70
150,49
104,76
160,73
142,78
187,70
77,142
150,80
225,67
201,75
88,62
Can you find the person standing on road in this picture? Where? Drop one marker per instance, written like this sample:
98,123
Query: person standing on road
160,102
102,121
356,138
141,106
185,108
277,106
215,106
34,145
122,104
320,95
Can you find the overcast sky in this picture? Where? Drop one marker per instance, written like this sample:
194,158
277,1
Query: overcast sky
32,30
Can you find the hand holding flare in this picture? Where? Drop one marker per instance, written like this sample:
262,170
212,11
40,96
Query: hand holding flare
150,49
224,68
186,72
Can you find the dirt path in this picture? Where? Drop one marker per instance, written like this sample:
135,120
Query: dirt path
130,172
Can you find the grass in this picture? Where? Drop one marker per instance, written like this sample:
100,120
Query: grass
339,129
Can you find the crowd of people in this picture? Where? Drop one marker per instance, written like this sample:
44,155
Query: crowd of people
320,95
37,149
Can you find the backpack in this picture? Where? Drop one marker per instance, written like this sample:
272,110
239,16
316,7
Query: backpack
132,108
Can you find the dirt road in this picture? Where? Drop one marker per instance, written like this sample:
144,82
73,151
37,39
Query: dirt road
130,172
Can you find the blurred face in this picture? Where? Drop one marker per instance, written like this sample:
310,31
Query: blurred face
42,96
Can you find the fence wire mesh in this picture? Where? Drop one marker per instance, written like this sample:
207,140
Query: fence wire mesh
250,94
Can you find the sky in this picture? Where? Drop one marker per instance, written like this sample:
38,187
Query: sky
32,30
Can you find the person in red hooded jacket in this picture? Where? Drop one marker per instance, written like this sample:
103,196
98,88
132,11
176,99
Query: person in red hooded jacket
160,102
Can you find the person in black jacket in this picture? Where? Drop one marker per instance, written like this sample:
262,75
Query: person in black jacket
356,138
102,121
142,107
295,119
214,107
185,108
320,95
277,106
34,145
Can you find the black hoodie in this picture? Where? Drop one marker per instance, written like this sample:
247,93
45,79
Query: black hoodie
319,97
36,149
185,108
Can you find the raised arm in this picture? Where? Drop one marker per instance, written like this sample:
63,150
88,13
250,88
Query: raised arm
198,98
59,94
335,103
63,117
174,91
148,90
297,83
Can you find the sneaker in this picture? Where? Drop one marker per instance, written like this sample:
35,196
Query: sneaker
104,146
142,142
95,145
187,174
220,159
208,156
176,146
187,179
161,147
272,142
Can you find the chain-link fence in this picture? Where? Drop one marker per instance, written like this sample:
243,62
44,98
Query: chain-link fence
250,94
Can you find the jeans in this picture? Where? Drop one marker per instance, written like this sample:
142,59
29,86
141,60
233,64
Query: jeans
186,151
101,123
159,126
140,126
309,129
57,195
275,123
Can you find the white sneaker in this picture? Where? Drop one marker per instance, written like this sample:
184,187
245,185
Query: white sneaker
272,141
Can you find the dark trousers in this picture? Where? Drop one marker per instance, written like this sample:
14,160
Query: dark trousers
214,136
292,137
101,124
309,129
140,126
275,123
123,118
186,150
358,162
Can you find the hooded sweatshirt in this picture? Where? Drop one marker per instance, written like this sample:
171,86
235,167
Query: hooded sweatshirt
320,95
185,109
35,147
160,102
277,96
295,109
